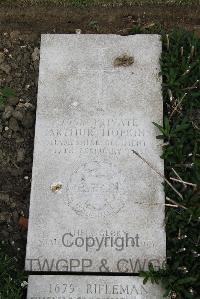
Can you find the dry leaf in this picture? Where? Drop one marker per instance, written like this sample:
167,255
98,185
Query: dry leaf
23,223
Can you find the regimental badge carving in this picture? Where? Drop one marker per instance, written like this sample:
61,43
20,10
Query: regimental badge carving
96,189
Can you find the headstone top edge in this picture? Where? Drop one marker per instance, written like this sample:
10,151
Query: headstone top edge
100,36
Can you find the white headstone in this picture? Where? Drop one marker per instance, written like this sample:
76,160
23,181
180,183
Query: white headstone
91,287
95,206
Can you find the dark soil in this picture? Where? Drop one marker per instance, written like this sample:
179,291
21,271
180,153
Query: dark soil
20,30
18,70
102,19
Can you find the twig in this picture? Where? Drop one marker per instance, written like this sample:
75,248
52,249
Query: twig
178,176
195,126
170,95
179,233
15,165
167,37
183,182
190,218
187,71
156,171
165,144
175,109
187,165
181,51
176,203
170,205
166,204
124,30
192,87
191,53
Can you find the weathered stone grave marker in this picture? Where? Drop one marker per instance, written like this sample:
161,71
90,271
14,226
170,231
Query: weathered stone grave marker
90,287
95,206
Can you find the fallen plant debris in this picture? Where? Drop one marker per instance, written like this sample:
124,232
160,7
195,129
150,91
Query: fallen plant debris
123,60
156,171
56,187
23,223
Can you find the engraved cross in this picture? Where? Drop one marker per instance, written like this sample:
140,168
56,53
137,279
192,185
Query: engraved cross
99,71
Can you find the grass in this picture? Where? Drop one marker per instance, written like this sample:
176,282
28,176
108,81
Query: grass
180,131
12,280
4,94
101,2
